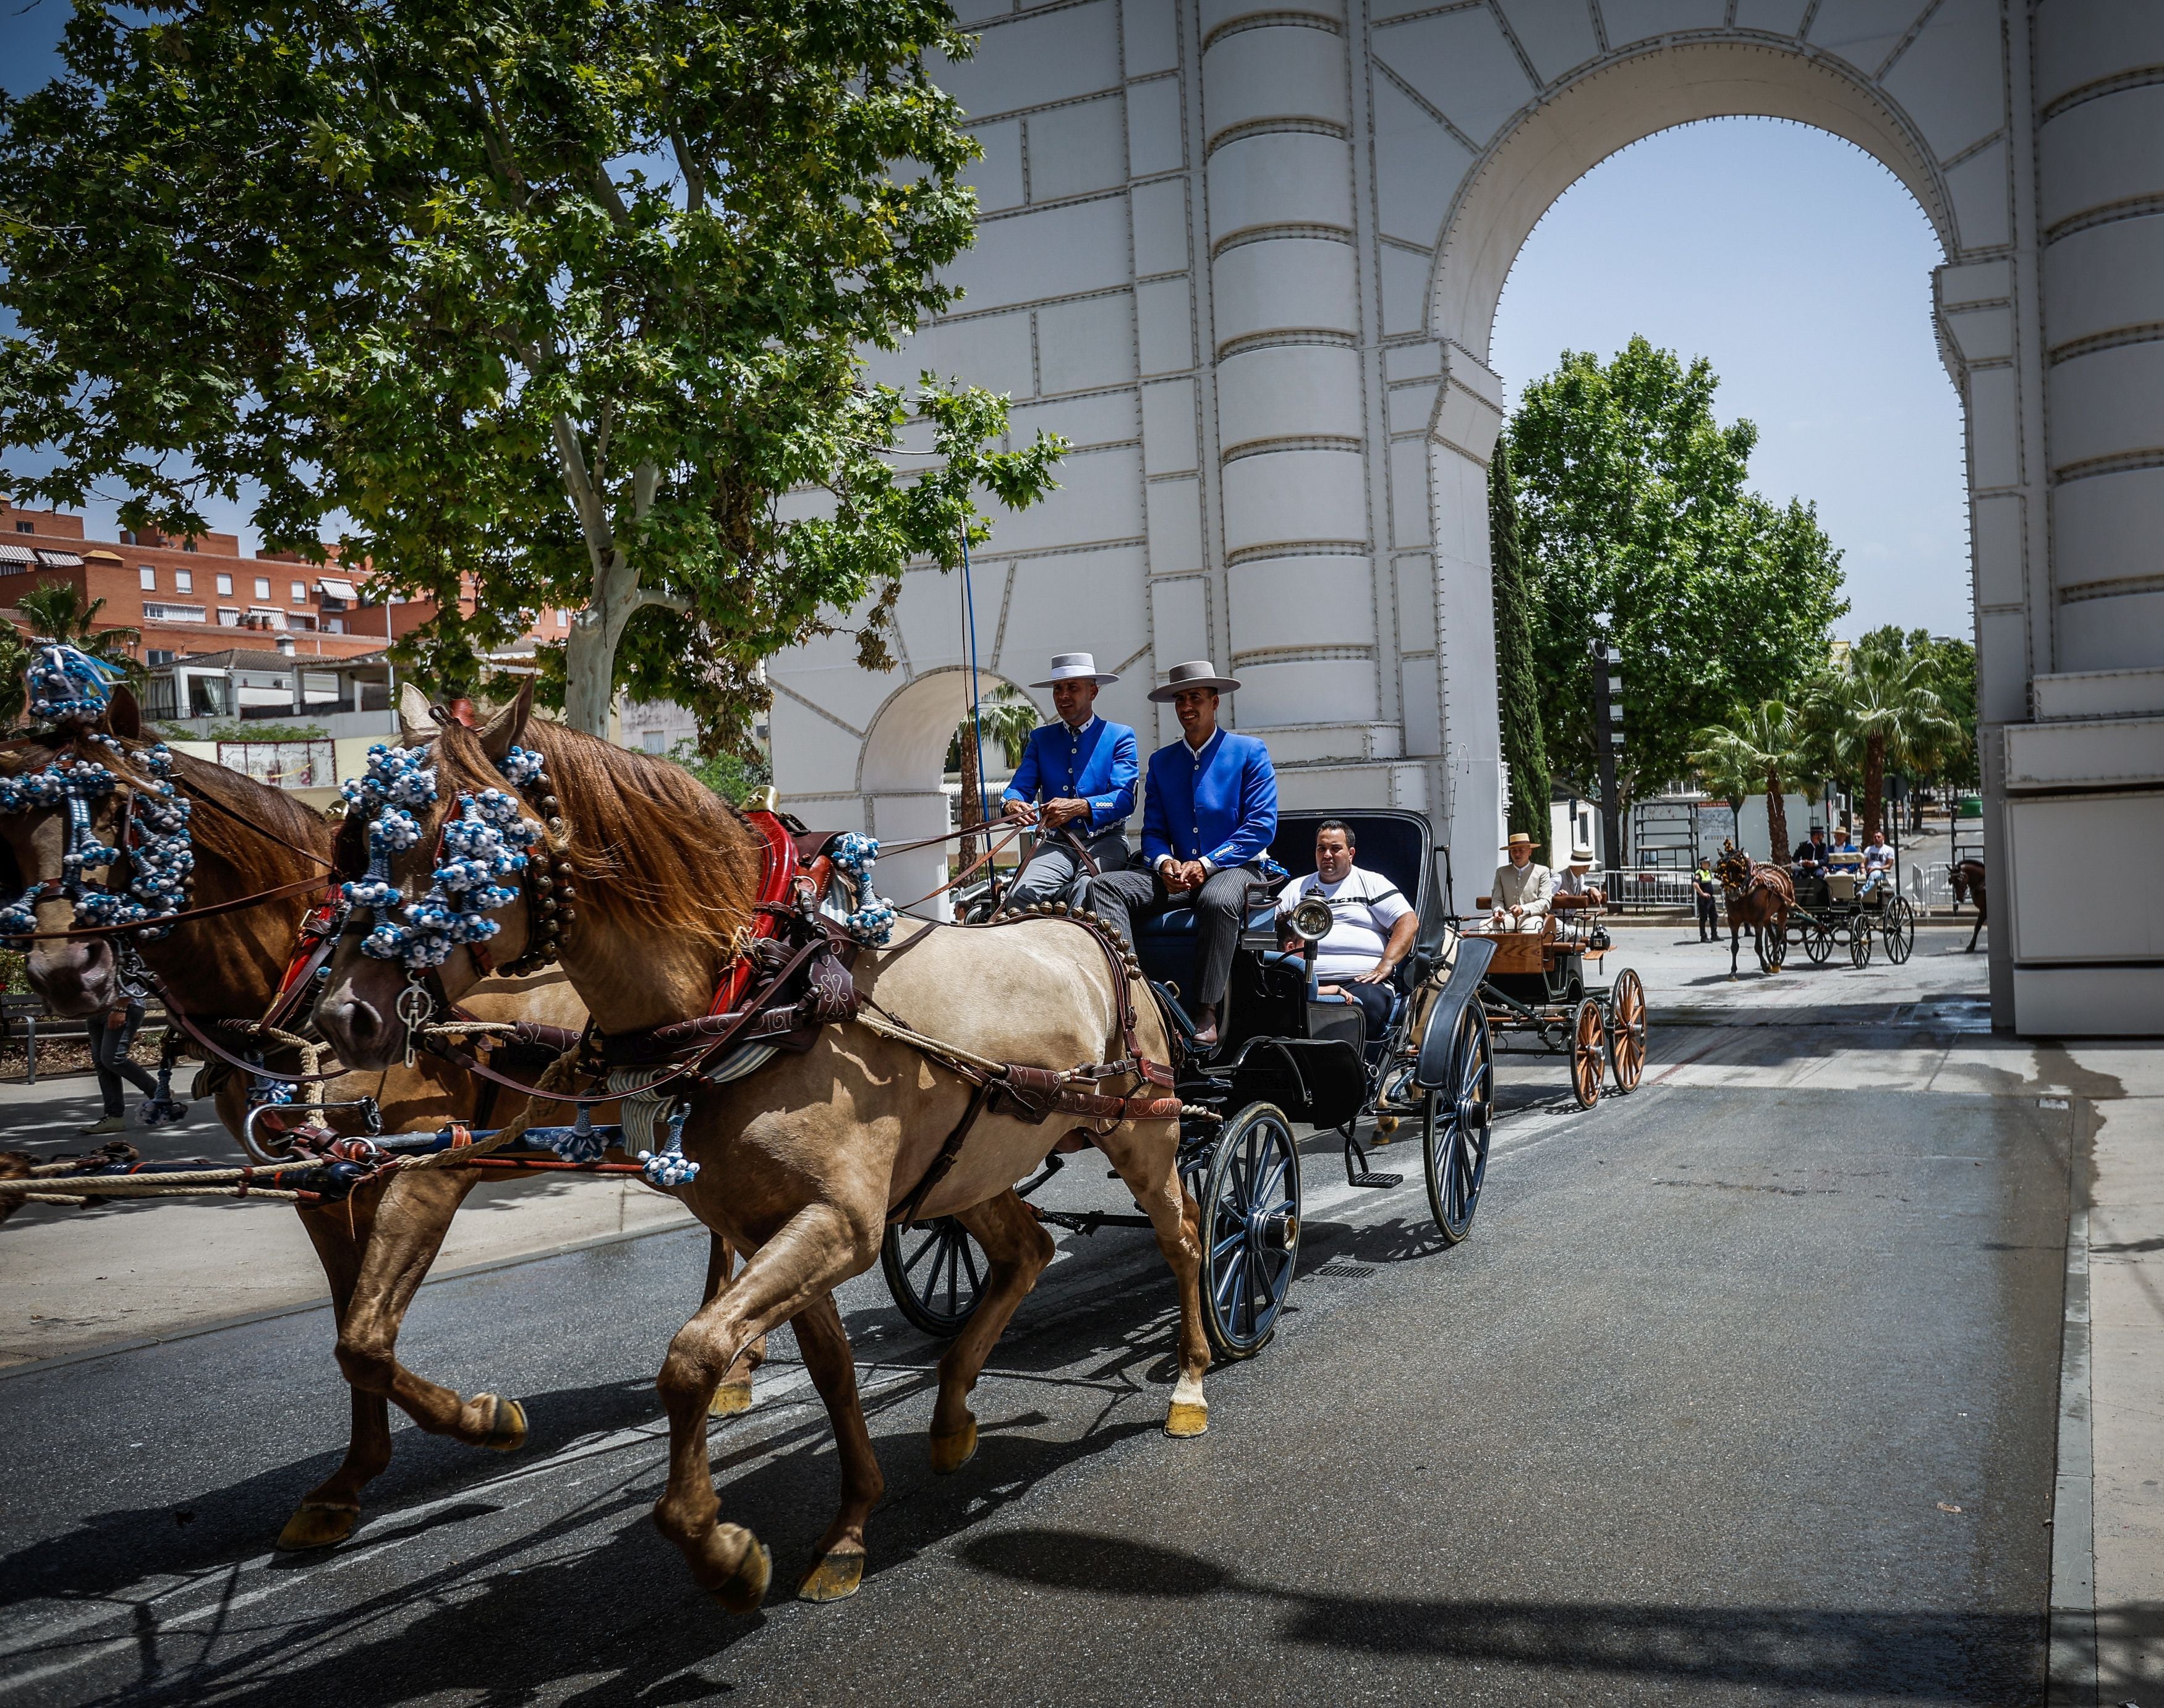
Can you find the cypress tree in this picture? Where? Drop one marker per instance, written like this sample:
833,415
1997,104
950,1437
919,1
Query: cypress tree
1524,748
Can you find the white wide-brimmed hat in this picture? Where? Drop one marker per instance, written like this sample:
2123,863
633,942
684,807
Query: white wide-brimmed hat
1076,666
1581,854
1195,672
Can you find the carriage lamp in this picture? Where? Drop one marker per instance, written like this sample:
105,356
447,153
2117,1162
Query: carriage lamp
1310,922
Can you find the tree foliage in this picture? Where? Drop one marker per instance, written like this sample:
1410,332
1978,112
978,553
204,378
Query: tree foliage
1517,682
1632,501
1758,752
1880,712
551,300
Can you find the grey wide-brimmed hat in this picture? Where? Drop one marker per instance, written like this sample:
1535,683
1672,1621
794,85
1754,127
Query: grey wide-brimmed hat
1076,666
1195,672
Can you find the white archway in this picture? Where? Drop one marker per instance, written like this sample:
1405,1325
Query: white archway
899,772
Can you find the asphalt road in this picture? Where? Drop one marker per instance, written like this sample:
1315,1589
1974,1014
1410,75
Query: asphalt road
1734,1396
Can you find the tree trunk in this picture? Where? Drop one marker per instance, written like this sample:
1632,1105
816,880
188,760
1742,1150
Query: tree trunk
1874,784
972,806
1777,819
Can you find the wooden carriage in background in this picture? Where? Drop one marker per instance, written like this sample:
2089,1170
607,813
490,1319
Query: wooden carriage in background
1539,998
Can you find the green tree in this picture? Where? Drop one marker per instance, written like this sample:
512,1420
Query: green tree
552,301
1758,751
1882,711
57,611
1632,501
732,776
1946,758
1524,747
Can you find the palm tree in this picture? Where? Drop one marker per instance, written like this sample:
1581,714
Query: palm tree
1760,750
1006,715
1885,710
54,611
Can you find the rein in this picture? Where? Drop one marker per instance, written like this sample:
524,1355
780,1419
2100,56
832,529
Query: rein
235,905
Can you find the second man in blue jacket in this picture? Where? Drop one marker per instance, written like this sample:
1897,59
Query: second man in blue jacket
1209,810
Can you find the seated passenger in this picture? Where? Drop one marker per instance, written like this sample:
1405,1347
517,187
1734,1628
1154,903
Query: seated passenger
1577,878
1210,809
1372,926
1811,853
1522,889
1084,770
1878,863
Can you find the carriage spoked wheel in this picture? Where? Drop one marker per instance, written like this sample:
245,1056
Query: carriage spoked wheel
1626,1030
1459,1114
936,1272
1899,929
1859,943
1588,1053
1818,944
1777,947
1250,1229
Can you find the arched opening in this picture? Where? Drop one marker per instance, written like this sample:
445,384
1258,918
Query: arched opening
1580,123
900,772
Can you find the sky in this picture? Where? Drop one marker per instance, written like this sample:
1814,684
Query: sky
1801,269
1792,261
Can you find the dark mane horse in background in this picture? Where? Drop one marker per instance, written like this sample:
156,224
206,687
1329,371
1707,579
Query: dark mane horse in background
1967,880
1761,897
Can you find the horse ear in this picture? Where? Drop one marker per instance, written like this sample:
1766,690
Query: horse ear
501,733
123,715
414,716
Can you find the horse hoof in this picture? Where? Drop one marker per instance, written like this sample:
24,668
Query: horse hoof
1187,1419
1384,1126
833,1577
729,1399
317,1524
745,1587
951,1451
507,1424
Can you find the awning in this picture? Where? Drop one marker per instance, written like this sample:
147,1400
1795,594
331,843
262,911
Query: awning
16,554
58,560
338,589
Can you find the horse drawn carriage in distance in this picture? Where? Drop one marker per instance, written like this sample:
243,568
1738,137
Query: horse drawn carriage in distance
1821,911
1286,1057
1537,991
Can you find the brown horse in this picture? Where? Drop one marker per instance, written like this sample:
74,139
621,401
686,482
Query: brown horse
1761,897
1967,880
802,1163
377,1247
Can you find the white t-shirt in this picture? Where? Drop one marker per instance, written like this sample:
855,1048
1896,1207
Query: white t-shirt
1364,906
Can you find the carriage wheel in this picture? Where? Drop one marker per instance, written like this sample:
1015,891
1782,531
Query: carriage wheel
1817,944
936,1272
1460,1114
1859,943
1588,1051
1899,929
1626,1030
1777,946
1250,1230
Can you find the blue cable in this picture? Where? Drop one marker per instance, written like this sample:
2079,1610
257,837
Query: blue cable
976,709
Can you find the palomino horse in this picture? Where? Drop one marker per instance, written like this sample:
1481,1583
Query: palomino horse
377,1246
1967,880
802,1163
1761,897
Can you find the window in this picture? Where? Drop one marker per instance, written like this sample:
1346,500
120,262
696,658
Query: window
24,527
149,577
266,617
652,740
225,587
228,617
563,620
184,581
153,612
263,587
160,655
187,545
300,593
333,625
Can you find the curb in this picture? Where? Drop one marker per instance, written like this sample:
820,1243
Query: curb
2071,1674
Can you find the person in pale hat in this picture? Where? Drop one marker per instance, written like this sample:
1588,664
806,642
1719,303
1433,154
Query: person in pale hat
1076,784
1209,810
1522,890
1577,878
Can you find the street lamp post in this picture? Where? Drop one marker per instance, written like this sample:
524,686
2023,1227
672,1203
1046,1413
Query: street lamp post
1607,740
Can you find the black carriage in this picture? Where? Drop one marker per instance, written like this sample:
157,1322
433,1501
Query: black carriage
1540,1000
1838,910
1286,1055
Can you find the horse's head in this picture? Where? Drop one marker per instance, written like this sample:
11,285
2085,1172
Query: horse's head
434,851
1733,868
59,799
1962,879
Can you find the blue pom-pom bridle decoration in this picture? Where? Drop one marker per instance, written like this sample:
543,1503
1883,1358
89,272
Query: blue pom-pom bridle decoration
67,685
160,854
485,844
871,921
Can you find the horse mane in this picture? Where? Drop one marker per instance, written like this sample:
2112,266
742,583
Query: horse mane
655,849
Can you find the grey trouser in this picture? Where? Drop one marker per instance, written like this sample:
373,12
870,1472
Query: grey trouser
1122,896
1054,874
108,1054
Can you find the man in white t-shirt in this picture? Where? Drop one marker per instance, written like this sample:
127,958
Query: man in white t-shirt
1371,927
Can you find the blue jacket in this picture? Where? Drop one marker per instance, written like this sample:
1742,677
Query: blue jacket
1223,808
1097,765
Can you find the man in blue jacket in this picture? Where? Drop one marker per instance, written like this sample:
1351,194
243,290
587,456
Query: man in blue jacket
1084,770
1209,812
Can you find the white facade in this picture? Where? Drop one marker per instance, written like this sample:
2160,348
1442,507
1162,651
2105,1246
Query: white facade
1247,256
